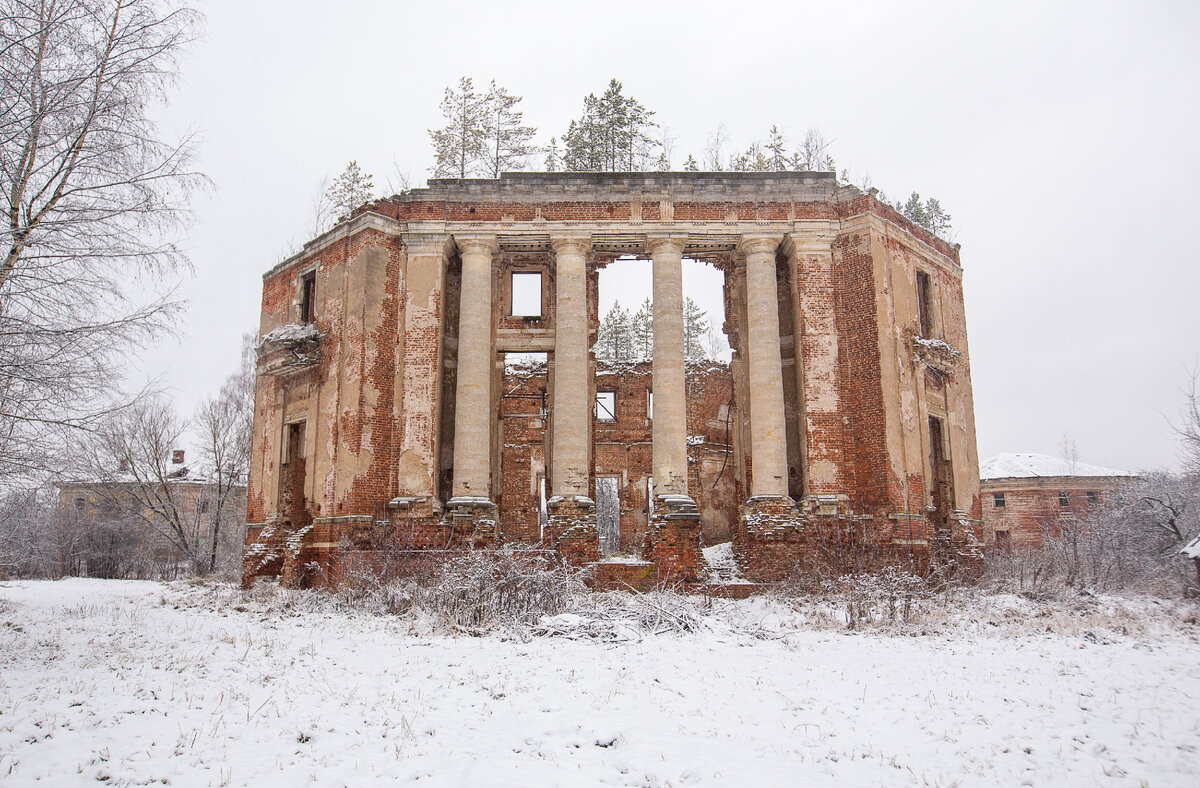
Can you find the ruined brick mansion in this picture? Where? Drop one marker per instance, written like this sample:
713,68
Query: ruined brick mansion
389,426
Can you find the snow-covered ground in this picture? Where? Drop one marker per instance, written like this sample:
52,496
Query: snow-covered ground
139,682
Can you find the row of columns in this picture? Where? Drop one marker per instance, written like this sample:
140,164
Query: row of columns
571,401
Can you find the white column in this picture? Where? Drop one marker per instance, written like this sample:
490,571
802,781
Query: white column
768,447
571,406
473,401
669,426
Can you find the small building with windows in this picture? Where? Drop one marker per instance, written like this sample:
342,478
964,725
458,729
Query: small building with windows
126,524
1027,496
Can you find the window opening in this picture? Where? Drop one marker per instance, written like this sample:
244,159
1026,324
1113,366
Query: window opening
308,288
631,283
294,443
526,294
1093,498
519,369
1064,498
924,304
650,403
606,406
998,500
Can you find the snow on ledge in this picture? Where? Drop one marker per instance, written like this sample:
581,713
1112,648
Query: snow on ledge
293,332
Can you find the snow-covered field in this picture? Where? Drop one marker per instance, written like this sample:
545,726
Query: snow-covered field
136,683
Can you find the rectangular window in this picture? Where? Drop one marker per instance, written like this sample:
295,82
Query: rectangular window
1064,498
998,500
649,403
308,291
1093,498
526,294
294,441
925,304
606,406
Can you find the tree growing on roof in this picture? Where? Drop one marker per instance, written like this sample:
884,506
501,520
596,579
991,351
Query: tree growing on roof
506,137
929,214
813,154
458,146
484,133
350,189
612,134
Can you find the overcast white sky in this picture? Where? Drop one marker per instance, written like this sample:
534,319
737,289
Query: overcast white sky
1061,137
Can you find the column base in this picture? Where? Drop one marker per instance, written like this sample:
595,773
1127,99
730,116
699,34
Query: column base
769,542
675,540
474,521
956,547
571,529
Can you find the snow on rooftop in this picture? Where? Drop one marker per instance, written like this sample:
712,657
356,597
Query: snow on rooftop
1025,465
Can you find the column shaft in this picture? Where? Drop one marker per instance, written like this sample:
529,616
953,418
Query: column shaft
669,425
768,447
571,401
473,400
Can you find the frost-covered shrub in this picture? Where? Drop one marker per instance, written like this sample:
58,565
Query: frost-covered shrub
509,587
891,595
1132,544
617,616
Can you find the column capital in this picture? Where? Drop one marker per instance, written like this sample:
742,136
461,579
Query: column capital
480,243
565,243
674,241
759,243
429,243
808,242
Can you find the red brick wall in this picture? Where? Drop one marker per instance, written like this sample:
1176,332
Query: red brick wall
1031,506
864,445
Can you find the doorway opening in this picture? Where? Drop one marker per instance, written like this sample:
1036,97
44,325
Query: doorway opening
608,514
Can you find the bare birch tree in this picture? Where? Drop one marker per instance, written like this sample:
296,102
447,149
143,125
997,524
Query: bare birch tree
223,426
92,199
129,459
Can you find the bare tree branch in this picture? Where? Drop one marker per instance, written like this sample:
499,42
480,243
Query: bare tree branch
92,199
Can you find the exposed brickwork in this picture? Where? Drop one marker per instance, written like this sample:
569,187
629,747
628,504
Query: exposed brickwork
376,397
675,543
624,576
770,539
571,530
